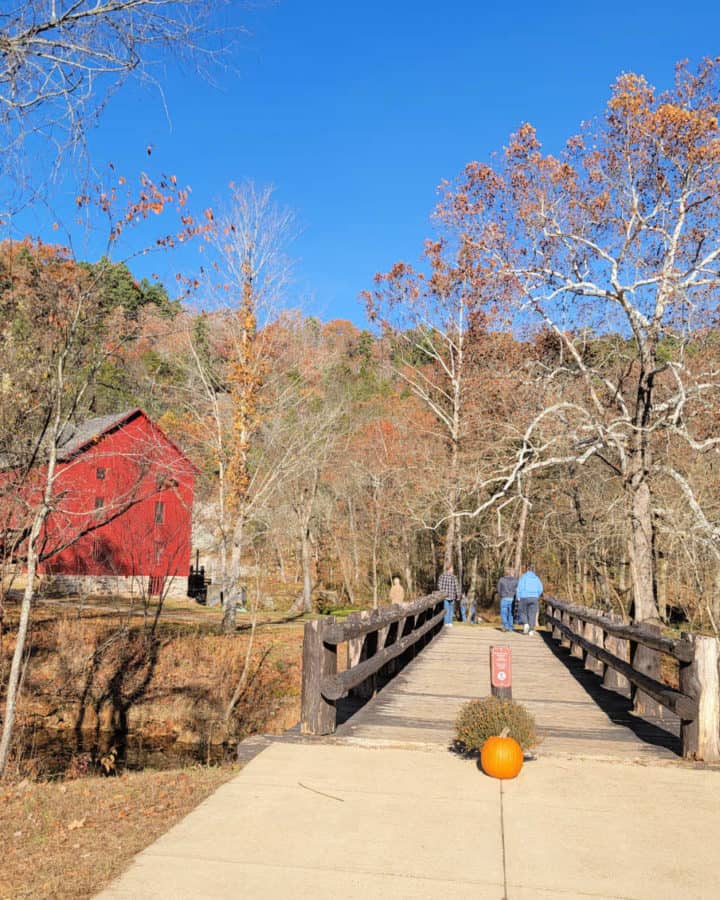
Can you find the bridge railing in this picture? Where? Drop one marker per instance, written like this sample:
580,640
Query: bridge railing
376,640
626,656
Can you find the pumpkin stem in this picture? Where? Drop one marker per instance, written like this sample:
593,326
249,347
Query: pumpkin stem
505,732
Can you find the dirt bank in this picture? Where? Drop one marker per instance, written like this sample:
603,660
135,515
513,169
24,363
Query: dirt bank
100,680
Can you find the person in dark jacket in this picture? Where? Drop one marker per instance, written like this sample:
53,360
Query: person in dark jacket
506,588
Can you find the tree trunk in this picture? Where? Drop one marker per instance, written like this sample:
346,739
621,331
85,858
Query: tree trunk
661,569
222,510
472,587
280,560
39,520
520,543
15,668
375,572
459,555
306,555
353,536
715,600
345,564
637,487
640,553
452,538
231,586
408,570
449,542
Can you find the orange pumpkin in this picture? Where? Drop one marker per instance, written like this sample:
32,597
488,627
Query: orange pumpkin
501,756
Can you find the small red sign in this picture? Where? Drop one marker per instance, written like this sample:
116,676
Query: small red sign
501,667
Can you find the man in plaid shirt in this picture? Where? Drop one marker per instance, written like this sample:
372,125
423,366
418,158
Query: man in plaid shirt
449,587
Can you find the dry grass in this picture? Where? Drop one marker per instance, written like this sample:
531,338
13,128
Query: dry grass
107,675
69,839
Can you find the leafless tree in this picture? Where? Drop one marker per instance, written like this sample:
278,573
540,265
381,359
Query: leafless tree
61,60
613,249
244,285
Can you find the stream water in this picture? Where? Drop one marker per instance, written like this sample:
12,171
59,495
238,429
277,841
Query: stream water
54,754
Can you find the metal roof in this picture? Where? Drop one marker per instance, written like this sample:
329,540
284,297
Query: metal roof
76,437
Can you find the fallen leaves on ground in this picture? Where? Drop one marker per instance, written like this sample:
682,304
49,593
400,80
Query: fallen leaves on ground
69,839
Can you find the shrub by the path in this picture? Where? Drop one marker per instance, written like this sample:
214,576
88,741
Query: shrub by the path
480,719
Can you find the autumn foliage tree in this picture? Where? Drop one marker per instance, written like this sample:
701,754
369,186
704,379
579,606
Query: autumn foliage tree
618,234
430,314
57,333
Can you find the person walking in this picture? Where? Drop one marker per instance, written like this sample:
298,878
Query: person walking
529,591
468,609
450,589
506,588
397,591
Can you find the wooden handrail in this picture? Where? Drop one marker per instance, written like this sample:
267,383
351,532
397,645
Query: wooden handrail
697,703
356,626
402,626
681,649
336,686
679,703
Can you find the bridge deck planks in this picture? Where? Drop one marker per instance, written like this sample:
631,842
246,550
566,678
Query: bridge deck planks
575,715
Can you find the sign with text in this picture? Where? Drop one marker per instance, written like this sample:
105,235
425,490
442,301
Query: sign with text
501,671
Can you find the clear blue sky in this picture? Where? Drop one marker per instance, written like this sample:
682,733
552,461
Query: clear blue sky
356,111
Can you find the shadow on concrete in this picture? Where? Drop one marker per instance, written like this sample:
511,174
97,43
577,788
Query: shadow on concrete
618,706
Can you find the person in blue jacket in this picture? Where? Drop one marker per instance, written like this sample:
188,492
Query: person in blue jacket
529,591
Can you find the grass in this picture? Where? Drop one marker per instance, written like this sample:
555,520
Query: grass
69,839
103,673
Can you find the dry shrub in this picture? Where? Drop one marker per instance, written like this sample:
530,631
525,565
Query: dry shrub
480,719
76,640
107,675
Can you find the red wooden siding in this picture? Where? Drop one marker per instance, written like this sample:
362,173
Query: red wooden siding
134,482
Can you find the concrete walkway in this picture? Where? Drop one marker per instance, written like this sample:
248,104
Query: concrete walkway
336,821
384,809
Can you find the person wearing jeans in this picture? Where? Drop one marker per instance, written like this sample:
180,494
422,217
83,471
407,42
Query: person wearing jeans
468,610
529,591
450,589
506,588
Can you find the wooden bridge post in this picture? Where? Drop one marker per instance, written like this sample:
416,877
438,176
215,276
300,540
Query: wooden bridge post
556,633
612,679
647,661
369,647
577,628
406,627
595,634
565,618
354,645
319,659
699,679
387,635
357,650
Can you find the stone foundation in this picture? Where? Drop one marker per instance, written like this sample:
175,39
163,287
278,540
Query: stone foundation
175,587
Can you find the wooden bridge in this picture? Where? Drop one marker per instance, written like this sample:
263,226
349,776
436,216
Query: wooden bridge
593,683
380,806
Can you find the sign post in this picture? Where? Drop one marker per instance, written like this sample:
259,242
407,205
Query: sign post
501,672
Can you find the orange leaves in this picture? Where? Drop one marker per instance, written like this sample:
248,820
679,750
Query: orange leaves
631,96
524,144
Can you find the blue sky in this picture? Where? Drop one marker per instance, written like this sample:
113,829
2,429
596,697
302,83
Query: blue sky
355,112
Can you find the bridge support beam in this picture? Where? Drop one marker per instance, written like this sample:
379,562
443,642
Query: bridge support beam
647,660
619,647
700,679
319,660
